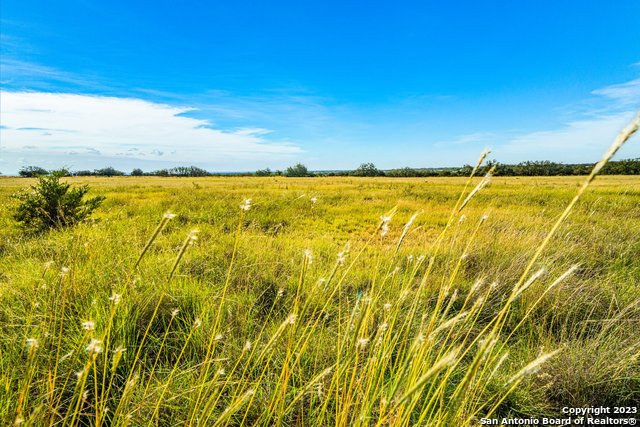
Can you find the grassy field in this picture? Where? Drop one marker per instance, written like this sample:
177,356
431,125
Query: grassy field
308,309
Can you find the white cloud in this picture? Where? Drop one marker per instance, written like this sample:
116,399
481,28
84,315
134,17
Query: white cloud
58,123
575,142
627,93
581,138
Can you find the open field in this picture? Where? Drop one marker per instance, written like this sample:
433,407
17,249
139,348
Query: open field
268,320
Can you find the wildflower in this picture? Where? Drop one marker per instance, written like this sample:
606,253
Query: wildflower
383,326
484,217
19,420
280,292
462,218
79,374
246,205
64,270
221,372
115,298
341,257
314,200
247,346
410,258
94,346
89,325
193,235
32,343
169,215
197,323
218,337
387,306
48,264
175,312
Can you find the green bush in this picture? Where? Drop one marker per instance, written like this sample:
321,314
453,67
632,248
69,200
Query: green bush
53,204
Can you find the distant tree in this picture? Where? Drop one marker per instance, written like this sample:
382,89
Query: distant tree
32,171
83,173
367,169
297,170
191,171
108,171
160,172
403,172
137,172
263,172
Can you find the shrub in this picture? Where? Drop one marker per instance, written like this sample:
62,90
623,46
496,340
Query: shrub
137,172
53,204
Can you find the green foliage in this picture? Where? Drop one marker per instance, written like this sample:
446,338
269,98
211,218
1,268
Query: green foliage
53,204
32,171
184,171
264,172
297,170
108,171
137,172
367,169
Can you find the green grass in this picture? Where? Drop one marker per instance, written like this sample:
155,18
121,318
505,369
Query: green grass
264,323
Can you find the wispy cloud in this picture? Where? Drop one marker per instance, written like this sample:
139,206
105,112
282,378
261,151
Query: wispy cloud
58,124
627,94
581,138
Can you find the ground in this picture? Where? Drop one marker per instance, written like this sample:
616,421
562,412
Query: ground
268,320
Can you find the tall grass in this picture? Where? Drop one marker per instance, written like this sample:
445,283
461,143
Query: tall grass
411,344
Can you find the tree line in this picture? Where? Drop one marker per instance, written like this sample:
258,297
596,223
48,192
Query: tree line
529,168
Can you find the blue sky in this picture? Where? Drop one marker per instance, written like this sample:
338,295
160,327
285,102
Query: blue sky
234,86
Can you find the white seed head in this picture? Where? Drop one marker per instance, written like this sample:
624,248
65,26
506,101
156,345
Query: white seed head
291,319
197,323
308,255
175,312
362,342
314,200
169,215
94,346
247,346
115,298
64,270
246,205
32,343
89,325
